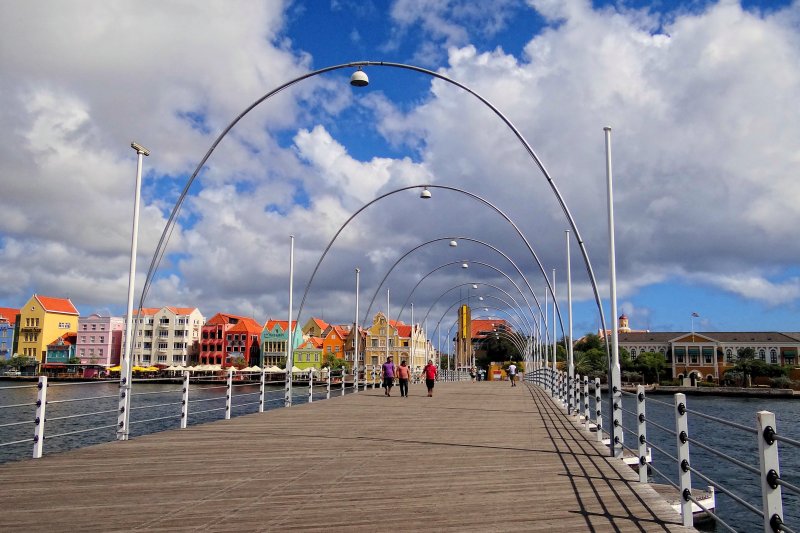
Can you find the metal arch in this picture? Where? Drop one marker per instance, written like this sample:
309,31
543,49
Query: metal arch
478,283
469,239
160,248
519,324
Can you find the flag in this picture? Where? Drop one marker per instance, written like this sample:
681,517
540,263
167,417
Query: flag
695,315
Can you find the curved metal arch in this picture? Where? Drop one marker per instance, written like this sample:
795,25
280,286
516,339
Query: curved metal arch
514,340
460,300
468,239
160,248
478,283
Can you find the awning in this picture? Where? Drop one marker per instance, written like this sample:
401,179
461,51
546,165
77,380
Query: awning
54,365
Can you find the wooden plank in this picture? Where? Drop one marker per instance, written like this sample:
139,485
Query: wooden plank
475,457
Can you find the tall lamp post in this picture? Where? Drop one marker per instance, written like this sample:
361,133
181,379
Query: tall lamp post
287,400
126,372
356,335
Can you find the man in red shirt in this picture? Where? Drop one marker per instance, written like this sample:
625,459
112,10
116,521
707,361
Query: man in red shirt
430,376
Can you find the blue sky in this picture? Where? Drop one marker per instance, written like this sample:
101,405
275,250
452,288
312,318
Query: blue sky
701,97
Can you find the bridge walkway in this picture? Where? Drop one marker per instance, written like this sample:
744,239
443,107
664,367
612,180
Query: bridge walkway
475,457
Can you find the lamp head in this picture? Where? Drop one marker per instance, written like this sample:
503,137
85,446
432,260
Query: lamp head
453,244
464,265
425,194
474,286
140,149
480,298
359,78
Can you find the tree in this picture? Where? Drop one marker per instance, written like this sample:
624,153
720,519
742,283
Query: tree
651,365
745,354
590,341
333,362
239,362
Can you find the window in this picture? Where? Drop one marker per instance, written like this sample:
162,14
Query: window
92,339
373,343
102,338
773,356
84,327
633,353
82,352
680,353
694,355
708,355
329,350
729,355
100,352
94,326
762,354
162,345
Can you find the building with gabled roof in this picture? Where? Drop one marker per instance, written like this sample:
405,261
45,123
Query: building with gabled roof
333,341
315,327
226,337
100,340
274,341
309,354
44,319
60,351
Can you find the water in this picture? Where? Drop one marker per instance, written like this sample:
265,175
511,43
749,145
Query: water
731,441
98,410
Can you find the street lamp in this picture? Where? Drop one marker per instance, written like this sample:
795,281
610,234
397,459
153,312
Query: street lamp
126,374
359,78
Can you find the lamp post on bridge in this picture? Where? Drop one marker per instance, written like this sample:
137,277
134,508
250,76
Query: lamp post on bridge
356,335
126,372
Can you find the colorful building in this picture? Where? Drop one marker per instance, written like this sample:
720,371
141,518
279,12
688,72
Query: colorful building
399,337
99,340
315,327
166,336
308,354
60,351
44,319
333,341
274,340
226,337
349,347
8,322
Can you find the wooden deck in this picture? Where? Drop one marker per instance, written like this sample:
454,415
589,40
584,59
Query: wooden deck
475,457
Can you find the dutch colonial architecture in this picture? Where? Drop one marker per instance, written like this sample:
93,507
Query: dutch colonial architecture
350,345
308,354
42,320
166,336
400,342
315,327
333,343
274,341
707,355
60,351
8,321
226,337
99,340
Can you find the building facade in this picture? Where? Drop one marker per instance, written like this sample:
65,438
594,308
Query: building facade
226,338
99,340
274,341
8,322
43,319
60,351
166,336
308,354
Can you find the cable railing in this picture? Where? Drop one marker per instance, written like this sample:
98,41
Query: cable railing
85,413
573,396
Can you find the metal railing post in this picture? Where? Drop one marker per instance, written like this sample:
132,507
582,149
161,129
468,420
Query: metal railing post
262,391
185,401
684,472
328,386
310,385
355,378
38,430
598,410
771,498
343,381
642,423
586,417
229,394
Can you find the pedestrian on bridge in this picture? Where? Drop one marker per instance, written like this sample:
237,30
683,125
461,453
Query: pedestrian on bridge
388,370
512,374
403,375
430,376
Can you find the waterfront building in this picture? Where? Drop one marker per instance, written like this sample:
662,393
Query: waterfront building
315,327
44,319
349,347
333,341
483,329
707,355
399,338
166,335
8,323
309,354
99,340
226,337
274,340
60,351
420,349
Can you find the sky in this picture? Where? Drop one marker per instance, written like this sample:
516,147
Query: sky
701,98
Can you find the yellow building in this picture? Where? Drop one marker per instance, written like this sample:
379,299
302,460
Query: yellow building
43,320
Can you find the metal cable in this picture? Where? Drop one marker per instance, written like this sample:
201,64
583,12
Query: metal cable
207,399
15,442
48,419
79,431
207,411
16,405
16,423
790,486
153,405
787,440
56,402
149,393
664,452
663,428
723,490
154,419
733,460
710,514
723,421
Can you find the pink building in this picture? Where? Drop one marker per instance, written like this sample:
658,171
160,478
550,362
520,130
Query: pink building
99,340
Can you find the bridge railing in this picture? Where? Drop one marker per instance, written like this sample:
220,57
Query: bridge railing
84,413
575,398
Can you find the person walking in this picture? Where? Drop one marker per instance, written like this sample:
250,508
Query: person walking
403,375
430,373
512,374
473,372
388,371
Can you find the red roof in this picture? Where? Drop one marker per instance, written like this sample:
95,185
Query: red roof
57,305
311,343
247,325
281,323
404,330
9,313
481,327
341,331
320,323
